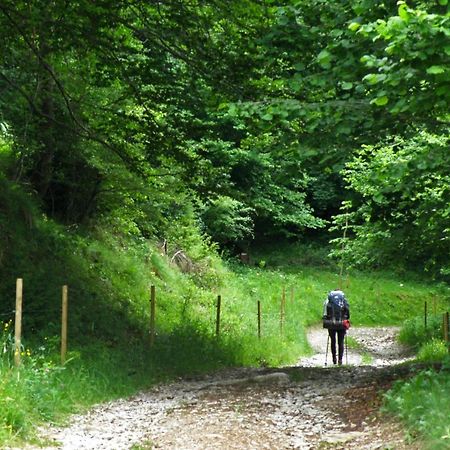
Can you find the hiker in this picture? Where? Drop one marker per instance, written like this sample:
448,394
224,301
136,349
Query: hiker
336,318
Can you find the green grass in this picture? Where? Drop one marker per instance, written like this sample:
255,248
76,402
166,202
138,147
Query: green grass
434,350
414,333
147,445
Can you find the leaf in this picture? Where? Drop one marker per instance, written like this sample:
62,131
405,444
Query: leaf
267,116
380,101
347,85
400,106
390,49
324,59
232,110
378,197
403,12
369,60
354,26
374,78
443,2
295,85
435,70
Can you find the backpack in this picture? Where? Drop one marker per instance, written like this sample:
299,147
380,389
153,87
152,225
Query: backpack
338,306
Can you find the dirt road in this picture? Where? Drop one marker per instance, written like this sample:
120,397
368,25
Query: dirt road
308,406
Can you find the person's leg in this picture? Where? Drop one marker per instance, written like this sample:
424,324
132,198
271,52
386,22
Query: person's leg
341,337
332,334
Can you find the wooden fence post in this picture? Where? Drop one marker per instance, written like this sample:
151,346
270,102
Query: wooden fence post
64,315
282,309
18,322
445,326
425,316
259,319
152,314
219,301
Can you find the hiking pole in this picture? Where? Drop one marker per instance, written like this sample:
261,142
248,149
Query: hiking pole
346,350
326,354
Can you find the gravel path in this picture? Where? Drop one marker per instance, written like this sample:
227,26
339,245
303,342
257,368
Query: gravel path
377,347
302,407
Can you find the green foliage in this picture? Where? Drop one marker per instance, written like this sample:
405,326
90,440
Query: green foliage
414,334
28,393
422,403
418,401
435,350
108,316
253,119
144,107
402,204
409,70
6,343
228,220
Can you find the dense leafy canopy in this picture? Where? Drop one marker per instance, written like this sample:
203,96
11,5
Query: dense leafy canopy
244,118
404,201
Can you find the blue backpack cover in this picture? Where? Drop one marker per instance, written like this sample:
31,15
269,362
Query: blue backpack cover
337,305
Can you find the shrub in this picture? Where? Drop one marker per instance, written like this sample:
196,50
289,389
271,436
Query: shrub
401,209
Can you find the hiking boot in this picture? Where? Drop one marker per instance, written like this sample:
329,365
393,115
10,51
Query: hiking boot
340,362
334,360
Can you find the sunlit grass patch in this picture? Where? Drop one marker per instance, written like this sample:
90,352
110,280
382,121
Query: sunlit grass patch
434,350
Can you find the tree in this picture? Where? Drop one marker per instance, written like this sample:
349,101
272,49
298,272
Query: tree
402,206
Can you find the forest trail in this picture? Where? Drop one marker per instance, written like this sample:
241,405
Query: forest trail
303,407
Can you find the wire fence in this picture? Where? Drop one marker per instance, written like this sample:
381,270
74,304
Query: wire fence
262,317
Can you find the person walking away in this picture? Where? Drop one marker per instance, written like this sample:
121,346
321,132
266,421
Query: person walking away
336,318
